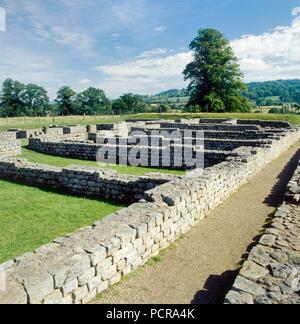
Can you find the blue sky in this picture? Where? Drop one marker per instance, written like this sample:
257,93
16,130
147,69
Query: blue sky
141,46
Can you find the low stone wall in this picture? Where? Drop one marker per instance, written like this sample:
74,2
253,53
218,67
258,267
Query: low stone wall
73,269
212,127
265,123
9,145
160,140
26,133
7,136
271,275
262,123
208,134
120,154
76,131
85,181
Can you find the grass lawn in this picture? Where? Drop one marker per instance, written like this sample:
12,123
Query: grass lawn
31,217
38,122
36,157
293,119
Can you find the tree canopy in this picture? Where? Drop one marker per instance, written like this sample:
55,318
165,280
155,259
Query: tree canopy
92,101
214,74
18,99
66,101
129,103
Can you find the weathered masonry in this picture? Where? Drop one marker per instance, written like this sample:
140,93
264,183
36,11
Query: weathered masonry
9,145
82,180
74,268
271,275
119,141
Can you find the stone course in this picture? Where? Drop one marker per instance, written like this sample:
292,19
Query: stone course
74,268
9,145
120,154
82,180
271,275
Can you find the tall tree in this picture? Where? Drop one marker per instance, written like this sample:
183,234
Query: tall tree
129,103
12,104
214,74
36,100
92,101
66,101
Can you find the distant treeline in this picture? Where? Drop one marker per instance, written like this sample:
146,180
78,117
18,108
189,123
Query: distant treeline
18,99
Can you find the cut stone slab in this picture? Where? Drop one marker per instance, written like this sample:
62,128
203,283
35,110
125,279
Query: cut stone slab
253,271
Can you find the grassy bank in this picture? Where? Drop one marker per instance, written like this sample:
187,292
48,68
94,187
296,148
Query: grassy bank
31,217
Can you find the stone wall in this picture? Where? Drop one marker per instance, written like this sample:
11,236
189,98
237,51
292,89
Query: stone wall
209,134
265,123
271,275
9,145
74,268
81,180
7,136
219,127
262,123
120,154
73,131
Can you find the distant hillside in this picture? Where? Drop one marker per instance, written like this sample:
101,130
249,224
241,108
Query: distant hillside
173,93
174,97
274,92
261,93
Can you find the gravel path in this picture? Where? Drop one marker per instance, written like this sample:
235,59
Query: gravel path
200,268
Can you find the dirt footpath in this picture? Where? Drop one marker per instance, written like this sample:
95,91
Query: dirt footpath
201,267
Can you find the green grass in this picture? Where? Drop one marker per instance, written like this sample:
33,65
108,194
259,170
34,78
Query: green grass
36,157
39,122
31,217
293,119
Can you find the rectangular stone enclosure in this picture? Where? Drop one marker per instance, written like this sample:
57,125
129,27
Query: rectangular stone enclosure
74,268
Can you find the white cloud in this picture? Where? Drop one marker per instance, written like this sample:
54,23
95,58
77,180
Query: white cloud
85,81
51,26
129,11
273,55
269,56
152,53
2,19
296,11
160,28
146,74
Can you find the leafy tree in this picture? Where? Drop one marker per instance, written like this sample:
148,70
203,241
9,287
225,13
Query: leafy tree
12,104
193,109
92,101
163,108
214,74
66,101
213,103
129,103
36,100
